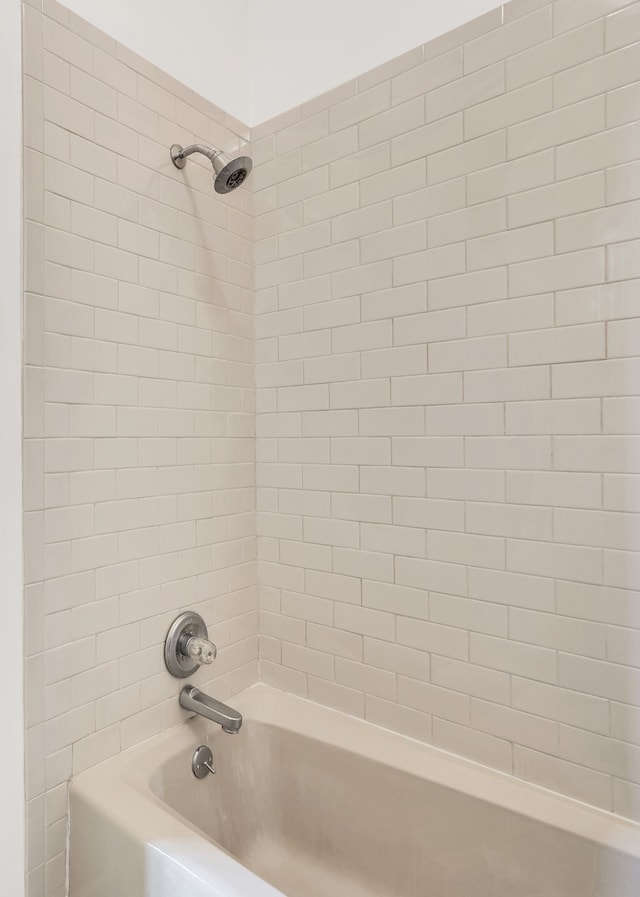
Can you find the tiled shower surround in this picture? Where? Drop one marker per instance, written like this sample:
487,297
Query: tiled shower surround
139,409
448,422
447,330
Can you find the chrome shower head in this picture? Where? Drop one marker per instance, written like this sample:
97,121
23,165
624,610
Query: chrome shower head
228,173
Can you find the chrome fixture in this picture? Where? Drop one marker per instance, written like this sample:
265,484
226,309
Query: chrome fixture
191,698
187,645
202,762
228,173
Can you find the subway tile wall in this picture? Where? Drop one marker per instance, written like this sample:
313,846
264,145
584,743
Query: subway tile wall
448,407
139,408
448,416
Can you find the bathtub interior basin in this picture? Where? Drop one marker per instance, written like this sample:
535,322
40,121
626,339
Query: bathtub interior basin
312,803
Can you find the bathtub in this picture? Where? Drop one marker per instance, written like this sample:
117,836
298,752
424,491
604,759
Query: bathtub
308,802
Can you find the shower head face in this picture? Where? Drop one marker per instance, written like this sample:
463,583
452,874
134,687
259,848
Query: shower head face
230,173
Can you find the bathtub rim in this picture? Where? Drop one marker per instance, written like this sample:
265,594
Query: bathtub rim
120,778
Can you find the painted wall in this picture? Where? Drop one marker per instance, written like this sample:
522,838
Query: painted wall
11,697
257,58
448,380
299,50
202,43
139,487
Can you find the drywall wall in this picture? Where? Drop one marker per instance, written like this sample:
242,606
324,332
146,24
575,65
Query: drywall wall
299,50
202,43
257,58
448,381
139,442
11,697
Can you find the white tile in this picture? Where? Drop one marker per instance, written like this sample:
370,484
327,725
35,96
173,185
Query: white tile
470,679
512,725
470,354
372,508
555,417
560,344
441,577
433,700
573,708
399,719
596,752
363,621
447,380
484,748
465,613
395,599
365,678
427,513
561,561
572,779
433,637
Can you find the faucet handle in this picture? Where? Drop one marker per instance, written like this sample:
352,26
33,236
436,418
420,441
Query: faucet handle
187,645
200,649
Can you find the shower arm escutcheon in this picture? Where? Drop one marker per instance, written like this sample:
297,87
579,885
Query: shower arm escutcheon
187,645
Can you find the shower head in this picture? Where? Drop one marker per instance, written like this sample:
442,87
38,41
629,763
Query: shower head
229,173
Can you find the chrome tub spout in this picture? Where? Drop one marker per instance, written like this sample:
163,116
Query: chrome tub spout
191,698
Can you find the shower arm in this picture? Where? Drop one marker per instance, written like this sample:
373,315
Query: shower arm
179,154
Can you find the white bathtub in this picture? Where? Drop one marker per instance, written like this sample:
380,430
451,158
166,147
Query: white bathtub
308,802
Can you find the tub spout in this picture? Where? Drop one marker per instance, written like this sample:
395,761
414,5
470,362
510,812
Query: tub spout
191,698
